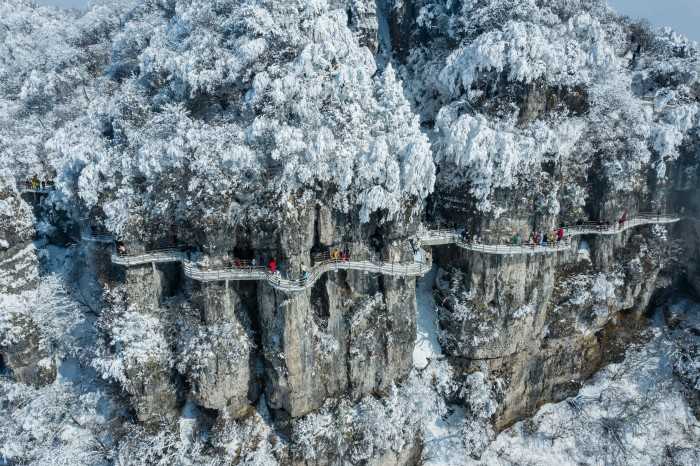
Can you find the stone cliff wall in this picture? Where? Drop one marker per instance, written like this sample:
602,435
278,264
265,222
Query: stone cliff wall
19,272
543,324
352,334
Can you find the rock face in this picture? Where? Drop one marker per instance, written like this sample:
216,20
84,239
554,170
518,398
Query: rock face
362,19
685,193
351,334
27,360
19,266
21,353
342,337
541,324
689,230
226,378
151,382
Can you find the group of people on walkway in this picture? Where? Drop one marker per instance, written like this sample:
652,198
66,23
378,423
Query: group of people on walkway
340,255
34,183
536,238
272,265
275,267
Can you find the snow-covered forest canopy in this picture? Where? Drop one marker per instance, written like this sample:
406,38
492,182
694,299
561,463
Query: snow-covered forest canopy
239,129
203,110
154,110
608,87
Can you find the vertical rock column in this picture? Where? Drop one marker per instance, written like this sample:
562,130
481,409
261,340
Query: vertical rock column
19,273
350,335
225,376
152,386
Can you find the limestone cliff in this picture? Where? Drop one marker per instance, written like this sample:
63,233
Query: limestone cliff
20,348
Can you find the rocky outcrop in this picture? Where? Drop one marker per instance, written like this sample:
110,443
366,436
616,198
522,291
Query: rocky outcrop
352,333
689,231
25,357
338,338
362,20
222,362
137,319
153,394
685,194
19,266
541,325
21,350
144,286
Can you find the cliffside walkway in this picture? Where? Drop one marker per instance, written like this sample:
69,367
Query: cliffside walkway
453,236
24,188
96,238
419,266
415,268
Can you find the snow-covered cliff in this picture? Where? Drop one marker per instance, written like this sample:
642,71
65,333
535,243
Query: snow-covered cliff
246,130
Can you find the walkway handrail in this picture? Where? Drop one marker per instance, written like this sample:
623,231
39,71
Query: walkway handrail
23,188
87,236
157,256
443,236
414,268
245,271
614,228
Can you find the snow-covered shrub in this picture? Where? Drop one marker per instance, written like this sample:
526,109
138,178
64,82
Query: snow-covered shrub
630,413
47,310
295,107
51,425
498,78
135,348
215,347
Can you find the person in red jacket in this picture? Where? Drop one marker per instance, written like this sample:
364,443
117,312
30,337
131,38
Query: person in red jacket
560,234
272,265
623,219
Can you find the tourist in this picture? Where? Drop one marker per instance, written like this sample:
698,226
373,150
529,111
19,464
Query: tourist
560,234
514,239
272,265
623,219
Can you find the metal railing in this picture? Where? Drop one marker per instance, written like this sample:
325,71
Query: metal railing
614,228
652,101
520,248
244,270
158,256
31,188
92,237
198,272
443,236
